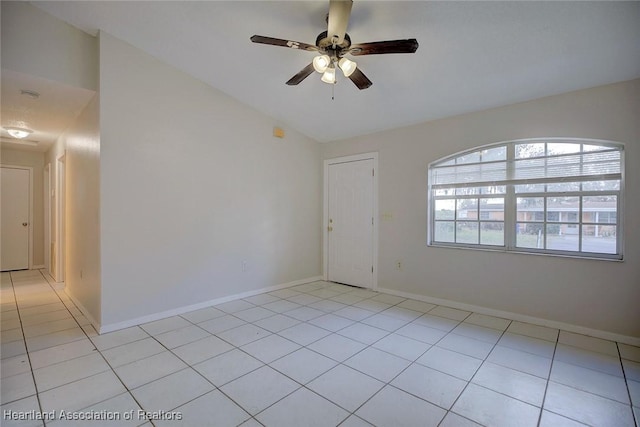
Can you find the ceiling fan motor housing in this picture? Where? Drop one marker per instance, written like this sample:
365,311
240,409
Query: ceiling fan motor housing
325,43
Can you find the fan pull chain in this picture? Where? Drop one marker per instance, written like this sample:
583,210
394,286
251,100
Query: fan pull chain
333,86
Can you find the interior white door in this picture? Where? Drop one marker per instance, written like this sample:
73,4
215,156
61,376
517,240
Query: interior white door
15,219
350,227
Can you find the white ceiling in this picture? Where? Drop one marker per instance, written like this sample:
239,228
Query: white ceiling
48,116
472,55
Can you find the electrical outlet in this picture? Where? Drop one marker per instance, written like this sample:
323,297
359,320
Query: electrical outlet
398,265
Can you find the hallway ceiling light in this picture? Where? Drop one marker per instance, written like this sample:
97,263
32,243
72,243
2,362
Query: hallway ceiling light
19,132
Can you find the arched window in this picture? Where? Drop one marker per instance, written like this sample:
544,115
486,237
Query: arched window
554,196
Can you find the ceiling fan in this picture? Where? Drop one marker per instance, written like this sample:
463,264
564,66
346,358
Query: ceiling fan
334,45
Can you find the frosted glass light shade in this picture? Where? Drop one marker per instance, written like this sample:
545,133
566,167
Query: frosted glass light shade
329,75
320,63
18,132
347,66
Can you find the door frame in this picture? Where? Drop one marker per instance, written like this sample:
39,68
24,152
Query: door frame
30,169
60,217
47,217
325,216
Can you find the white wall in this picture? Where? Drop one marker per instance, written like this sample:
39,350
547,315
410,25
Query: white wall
80,144
192,184
36,43
601,295
34,160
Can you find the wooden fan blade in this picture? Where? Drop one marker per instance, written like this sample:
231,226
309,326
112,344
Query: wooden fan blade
389,46
284,43
303,74
359,79
339,13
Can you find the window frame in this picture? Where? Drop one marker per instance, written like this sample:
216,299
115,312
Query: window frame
510,196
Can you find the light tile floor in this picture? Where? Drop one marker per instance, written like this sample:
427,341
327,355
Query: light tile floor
318,354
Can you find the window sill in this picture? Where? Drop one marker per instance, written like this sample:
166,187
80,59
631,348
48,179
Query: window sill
595,257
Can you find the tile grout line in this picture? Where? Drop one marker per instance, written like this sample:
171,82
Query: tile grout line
626,382
198,372
130,391
101,355
549,380
388,383
407,367
33,378
467,382
484,360
459,322
403,370
251,416
370,345
301,386
234,347
546,385
304,386
590,392
354,322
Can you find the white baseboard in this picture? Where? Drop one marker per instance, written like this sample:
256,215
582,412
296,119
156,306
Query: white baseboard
49,277
625,339
84,311
181,310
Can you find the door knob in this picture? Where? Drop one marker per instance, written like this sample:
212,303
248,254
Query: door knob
24,224
329,228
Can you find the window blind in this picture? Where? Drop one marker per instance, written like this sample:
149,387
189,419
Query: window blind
572,167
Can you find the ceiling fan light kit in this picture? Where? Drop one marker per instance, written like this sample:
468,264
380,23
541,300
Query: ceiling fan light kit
320,63
347,66
332,46
329,75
